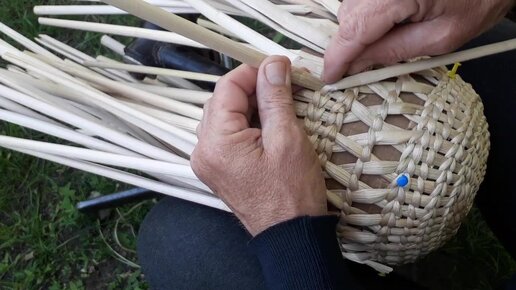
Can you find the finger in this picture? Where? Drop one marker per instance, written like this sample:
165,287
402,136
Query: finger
203,120
362,24
250,114
432,38
230,106
253,107
198,129
274,96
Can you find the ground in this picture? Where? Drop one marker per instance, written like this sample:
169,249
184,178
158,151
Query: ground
46,244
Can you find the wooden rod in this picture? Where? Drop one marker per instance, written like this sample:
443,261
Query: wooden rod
175,191
63,133
209,38
105,132
247,34
189,30
121,30
176,8
153,71
27,43
424,64
97,156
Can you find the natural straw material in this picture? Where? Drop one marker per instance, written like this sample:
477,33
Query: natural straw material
403,148
428,63
202,35
177,8
368,138
120,30
404,156
153,71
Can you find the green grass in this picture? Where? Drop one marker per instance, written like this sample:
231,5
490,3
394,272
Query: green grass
46,244
473,259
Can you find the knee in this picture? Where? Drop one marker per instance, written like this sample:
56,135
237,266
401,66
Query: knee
182,245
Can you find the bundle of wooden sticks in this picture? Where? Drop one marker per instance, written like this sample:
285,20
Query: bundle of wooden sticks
413,121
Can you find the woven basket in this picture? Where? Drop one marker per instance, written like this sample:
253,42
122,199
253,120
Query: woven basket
404,159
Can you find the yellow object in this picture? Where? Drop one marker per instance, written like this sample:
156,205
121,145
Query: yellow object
453,72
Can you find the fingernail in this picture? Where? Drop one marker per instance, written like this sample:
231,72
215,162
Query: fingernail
276,73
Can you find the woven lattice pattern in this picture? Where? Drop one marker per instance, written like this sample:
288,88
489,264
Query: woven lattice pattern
426,126
403,156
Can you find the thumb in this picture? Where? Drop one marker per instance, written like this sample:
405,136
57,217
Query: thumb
274,95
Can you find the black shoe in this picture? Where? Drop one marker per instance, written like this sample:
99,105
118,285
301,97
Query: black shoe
172,56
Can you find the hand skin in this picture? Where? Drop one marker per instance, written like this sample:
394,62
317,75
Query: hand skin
268,175
373,32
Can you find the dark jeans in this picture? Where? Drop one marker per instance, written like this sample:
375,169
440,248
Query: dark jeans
187,246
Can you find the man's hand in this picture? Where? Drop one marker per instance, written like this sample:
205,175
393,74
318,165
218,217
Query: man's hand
389,31
268,175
